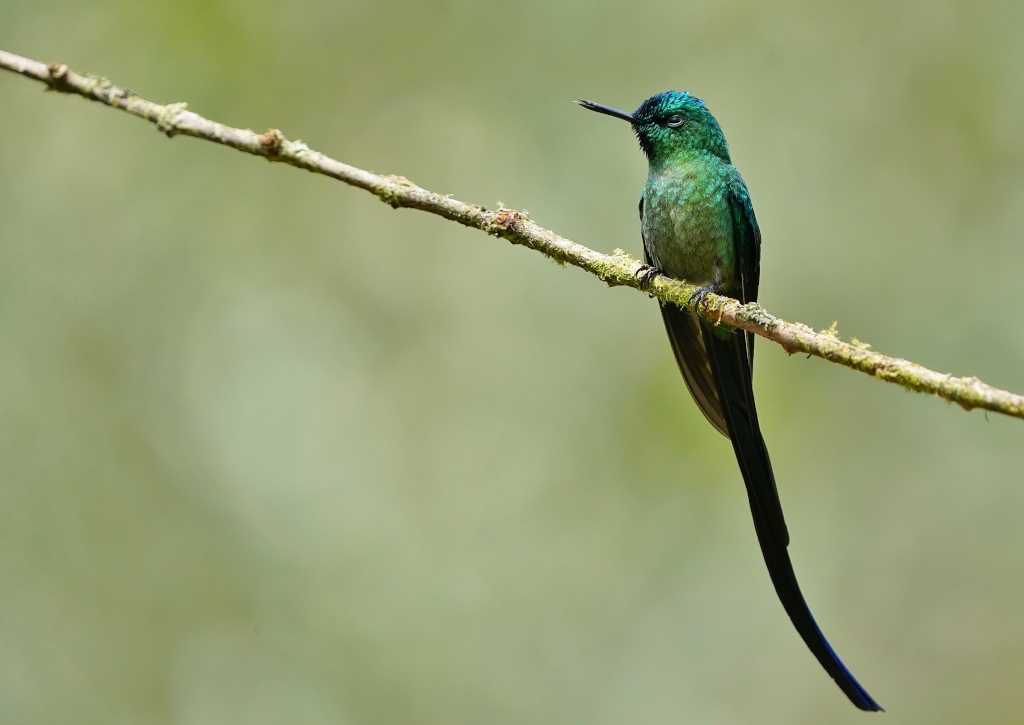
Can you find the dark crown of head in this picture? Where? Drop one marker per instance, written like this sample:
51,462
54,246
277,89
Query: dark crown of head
666,102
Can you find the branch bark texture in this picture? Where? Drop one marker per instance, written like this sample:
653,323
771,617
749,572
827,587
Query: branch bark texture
616,269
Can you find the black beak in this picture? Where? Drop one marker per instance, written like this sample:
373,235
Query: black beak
606,110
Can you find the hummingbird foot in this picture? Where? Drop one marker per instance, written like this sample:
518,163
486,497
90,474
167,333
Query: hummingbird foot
646,275
698,297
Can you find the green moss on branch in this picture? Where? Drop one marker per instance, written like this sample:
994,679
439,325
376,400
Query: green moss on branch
617,269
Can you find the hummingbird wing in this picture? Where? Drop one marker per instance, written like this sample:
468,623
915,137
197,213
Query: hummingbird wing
683,328
747,238
729,352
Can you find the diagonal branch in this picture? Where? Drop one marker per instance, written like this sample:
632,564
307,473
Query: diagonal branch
616,269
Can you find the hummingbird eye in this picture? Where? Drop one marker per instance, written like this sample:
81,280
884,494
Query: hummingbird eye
674,121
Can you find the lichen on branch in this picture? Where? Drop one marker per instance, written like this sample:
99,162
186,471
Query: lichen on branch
616,269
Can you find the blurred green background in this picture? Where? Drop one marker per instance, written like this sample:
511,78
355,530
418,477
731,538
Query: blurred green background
273,452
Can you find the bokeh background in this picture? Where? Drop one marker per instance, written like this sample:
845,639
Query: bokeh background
273,452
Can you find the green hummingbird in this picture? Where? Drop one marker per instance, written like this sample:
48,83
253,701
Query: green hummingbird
698,225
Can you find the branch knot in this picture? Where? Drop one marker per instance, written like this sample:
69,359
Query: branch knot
167,120
271,142
506,220
58,77
390,195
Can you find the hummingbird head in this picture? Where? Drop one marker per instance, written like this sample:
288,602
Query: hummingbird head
670,124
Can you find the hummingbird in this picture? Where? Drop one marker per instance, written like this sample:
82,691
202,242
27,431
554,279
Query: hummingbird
698,225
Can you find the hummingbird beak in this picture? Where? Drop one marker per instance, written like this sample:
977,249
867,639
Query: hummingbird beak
607,110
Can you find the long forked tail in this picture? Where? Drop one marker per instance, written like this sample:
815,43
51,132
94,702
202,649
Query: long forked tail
727,355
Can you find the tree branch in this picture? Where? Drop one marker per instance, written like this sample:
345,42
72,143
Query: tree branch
617,269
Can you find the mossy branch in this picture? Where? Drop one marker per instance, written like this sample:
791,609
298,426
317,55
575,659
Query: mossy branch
617,269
